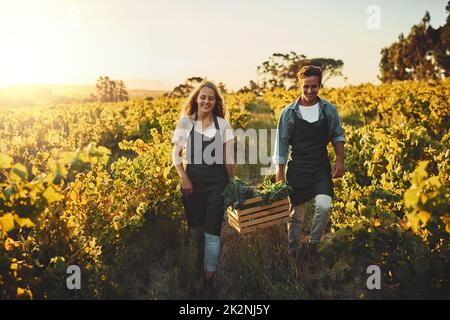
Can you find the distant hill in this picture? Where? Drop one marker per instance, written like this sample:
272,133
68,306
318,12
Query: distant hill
28,95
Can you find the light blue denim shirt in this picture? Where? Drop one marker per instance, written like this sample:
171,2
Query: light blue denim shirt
286,124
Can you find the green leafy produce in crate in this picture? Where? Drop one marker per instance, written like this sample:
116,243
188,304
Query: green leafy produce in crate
238,191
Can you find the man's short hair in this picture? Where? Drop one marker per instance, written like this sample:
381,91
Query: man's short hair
310,71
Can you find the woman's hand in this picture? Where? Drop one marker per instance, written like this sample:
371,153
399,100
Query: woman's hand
280,173
186,185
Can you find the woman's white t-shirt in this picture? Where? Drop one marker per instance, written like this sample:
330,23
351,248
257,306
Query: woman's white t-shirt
186,124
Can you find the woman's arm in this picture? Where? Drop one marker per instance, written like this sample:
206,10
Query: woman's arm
280,172
177,161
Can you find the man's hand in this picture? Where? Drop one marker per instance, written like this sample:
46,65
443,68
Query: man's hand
338,169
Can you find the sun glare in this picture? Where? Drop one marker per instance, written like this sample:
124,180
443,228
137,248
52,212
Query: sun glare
32,40
20,62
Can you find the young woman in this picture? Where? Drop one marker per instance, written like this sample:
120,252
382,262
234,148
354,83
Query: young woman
207,137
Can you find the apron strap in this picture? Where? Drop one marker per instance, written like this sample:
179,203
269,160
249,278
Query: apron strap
216,123
191,140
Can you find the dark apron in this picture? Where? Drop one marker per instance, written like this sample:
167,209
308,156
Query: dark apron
203,175
204,208
309,171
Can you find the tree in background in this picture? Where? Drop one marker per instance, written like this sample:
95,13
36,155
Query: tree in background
110,90
392,65
222,87
122,93
422,55
442,40
252,87
184,89
280,71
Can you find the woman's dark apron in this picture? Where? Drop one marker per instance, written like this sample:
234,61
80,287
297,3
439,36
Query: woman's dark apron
309,171
208,178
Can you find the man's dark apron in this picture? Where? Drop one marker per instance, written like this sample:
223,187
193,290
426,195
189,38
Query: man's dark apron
205,205
309,171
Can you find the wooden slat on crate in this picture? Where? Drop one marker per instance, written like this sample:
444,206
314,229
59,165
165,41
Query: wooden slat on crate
232,213
263,225
258,217
253,200
263,213
233,224
263,219
259,208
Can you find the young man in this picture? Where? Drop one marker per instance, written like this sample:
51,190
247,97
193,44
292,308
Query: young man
308,125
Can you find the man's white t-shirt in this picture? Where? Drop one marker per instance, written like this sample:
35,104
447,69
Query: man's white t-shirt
310,114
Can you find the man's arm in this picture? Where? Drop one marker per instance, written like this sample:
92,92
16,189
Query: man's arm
281,146
338,140
339,167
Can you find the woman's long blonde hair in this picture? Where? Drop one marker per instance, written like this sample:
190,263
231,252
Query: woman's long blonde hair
191,106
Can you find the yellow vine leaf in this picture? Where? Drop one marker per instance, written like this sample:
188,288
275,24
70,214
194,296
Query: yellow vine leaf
23,222
424,216
446,219
116,225
10,244
411,197
420,172
5,161
24,292
7,222
19,172
51,195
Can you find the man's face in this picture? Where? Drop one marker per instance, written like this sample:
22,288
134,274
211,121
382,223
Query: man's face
310,88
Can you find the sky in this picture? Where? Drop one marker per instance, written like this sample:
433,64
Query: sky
157,45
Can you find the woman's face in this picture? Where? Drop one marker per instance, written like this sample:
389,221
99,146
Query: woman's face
206,100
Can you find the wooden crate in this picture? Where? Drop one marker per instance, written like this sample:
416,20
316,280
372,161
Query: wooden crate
259,216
